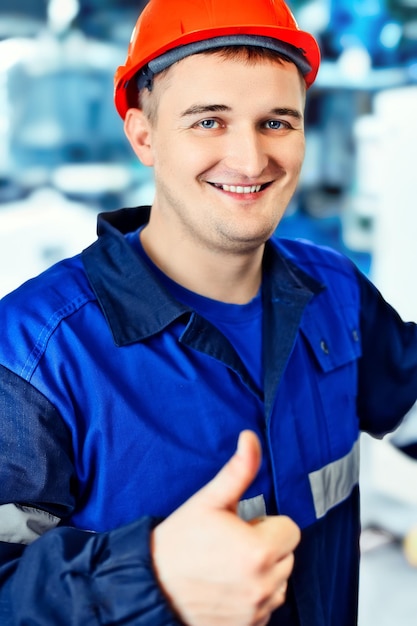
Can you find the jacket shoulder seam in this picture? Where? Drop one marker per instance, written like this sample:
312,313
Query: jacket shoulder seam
47,330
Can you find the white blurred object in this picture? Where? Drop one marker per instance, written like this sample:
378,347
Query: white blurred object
387,186
314,16
383,217
61,13
359,218
355,63
91,179
395,235
12,52
38,232
393,473
141,195
388,487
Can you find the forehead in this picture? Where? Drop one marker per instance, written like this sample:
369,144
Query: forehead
236,78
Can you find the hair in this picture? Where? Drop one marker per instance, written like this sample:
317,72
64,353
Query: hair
148,101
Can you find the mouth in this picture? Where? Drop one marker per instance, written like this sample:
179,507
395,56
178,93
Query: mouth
241,189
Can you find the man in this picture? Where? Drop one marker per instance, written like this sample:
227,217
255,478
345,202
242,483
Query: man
129,372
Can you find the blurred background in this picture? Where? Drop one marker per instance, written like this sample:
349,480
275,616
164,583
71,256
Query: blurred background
64,158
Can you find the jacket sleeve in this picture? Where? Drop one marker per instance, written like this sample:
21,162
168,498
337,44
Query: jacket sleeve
49,573
387,373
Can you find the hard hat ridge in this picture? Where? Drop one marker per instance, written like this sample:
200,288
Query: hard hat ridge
161,63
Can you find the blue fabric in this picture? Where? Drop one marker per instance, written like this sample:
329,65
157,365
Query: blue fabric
111,386
240,323
84,579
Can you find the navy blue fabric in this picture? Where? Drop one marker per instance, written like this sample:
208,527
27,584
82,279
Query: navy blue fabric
73,577
387,368
35,439
111,387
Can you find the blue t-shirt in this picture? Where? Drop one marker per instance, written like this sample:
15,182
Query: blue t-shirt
240,323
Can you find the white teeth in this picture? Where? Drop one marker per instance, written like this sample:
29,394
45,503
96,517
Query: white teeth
240,189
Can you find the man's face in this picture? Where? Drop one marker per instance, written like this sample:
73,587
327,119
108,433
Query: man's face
227,146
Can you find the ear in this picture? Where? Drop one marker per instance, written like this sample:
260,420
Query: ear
139,133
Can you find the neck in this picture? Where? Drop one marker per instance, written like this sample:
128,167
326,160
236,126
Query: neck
232,277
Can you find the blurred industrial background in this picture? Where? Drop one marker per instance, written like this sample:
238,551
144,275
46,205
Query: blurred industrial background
64,158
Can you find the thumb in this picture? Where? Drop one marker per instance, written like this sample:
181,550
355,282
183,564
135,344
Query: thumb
227,487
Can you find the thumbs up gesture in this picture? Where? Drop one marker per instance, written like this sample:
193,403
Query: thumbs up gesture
216,569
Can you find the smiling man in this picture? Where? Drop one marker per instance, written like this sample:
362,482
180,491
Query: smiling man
226,164
129,373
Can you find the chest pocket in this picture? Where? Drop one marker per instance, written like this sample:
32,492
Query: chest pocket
336,347
335,341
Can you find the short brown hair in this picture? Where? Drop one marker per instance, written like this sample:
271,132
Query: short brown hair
149,99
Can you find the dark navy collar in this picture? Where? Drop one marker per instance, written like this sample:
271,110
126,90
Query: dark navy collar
136,304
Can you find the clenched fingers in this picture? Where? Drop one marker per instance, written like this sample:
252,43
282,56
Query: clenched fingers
279,533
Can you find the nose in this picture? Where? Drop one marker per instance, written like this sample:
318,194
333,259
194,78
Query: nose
246,153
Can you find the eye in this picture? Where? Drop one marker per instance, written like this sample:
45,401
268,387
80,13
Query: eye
276,125
208,124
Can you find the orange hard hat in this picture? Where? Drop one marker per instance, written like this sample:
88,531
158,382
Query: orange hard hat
169,30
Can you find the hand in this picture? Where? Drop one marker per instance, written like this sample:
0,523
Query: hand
216,569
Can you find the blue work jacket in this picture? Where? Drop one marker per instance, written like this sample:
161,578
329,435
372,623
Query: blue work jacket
118,403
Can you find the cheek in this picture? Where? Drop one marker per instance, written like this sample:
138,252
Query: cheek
166,159
184,159
296,155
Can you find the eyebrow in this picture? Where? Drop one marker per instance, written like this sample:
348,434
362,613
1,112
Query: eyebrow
288,112
201,109
198,109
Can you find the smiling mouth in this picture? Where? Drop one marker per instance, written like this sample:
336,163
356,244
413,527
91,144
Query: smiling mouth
243,189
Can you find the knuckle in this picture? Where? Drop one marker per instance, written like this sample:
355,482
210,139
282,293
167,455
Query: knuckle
262,593
259,558
288,564
289,524
259,596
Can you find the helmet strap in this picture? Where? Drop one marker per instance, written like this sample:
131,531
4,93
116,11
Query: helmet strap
144,78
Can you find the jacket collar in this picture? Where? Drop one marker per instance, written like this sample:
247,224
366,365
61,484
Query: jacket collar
135,303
